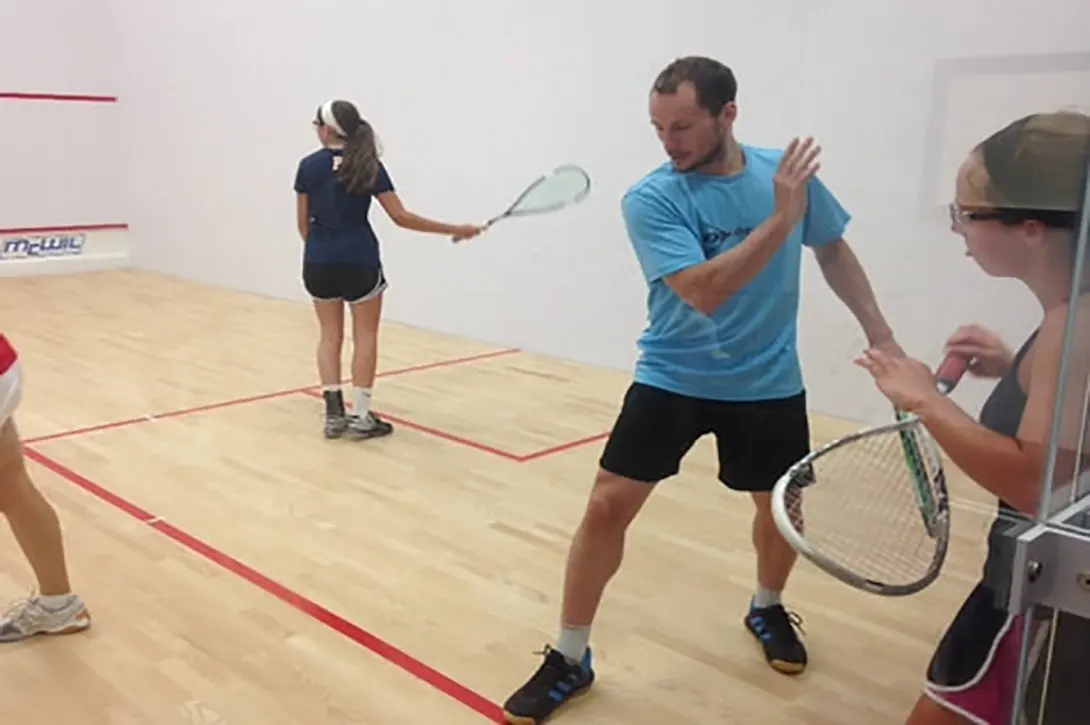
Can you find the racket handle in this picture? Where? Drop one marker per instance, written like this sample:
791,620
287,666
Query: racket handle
484,229
950,372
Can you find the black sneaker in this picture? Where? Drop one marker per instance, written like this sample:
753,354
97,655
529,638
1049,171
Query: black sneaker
336,423
774,627
555,683
368,426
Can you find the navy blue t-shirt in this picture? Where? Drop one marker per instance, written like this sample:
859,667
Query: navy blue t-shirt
340,232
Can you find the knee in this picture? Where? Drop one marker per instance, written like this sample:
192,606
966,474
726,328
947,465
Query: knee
14,481
14,487
332,335
365,337
763,504
365,329
762,516
614,503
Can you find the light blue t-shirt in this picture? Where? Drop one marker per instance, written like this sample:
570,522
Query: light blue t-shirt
747,349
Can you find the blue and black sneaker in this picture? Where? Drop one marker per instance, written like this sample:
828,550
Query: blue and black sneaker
774,627
554,684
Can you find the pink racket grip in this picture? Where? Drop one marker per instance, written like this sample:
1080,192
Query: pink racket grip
950,372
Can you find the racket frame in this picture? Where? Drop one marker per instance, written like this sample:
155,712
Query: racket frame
510,211
784,522
921,486
949,373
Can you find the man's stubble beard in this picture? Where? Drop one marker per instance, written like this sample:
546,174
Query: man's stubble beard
717,153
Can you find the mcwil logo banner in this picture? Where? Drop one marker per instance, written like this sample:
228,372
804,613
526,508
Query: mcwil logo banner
42,245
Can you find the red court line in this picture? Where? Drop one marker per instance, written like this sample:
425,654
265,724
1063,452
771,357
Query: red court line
471,699
78,97
160,416
563,447
435,432
446,363
255,398
477,445
70,228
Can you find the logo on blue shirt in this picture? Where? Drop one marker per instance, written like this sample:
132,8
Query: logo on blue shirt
746,349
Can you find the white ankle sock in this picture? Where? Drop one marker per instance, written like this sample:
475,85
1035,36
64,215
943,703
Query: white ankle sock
573,643
361,402
765,598
56,602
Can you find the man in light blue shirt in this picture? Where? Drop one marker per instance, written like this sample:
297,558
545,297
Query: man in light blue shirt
741,348
719,232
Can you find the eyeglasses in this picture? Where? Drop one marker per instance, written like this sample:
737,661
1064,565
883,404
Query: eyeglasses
959,215
1010,216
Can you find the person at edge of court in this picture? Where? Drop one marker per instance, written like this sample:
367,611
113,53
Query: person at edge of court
55,609
1017,199
718,232
342,265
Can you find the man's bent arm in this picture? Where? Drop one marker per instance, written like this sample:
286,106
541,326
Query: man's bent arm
708,285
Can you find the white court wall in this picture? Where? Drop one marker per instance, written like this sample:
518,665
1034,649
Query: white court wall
472,100
899,93
62,187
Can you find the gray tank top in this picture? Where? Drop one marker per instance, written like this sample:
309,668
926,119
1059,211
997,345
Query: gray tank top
1002,413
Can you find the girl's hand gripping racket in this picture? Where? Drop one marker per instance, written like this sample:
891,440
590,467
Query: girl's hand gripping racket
871,508
949,374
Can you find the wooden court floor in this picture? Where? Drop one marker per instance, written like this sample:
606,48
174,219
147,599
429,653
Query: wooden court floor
242,570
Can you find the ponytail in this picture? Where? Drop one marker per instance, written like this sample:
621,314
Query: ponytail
359,165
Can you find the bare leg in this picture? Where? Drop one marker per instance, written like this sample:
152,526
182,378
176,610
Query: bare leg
365,328
775,557
330,340
366,317
33,520
598,545
593,559
54,610
652,434
768,621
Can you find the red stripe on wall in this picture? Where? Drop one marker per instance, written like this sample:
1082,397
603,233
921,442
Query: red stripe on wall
77,97
74,228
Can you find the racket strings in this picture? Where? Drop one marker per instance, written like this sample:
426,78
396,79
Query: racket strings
862,513
566,185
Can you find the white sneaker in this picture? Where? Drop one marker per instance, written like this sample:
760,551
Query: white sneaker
31,617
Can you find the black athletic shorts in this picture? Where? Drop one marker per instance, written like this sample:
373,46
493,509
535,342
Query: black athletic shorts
349,282
975,670
757,441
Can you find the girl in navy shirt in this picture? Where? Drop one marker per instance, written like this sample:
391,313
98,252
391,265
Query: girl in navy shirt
342,265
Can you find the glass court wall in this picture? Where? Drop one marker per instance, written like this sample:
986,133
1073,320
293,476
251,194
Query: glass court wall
1049,581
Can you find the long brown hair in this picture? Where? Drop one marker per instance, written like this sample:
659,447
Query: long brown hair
360,165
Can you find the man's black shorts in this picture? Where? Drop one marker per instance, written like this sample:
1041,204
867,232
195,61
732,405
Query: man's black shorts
757,441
